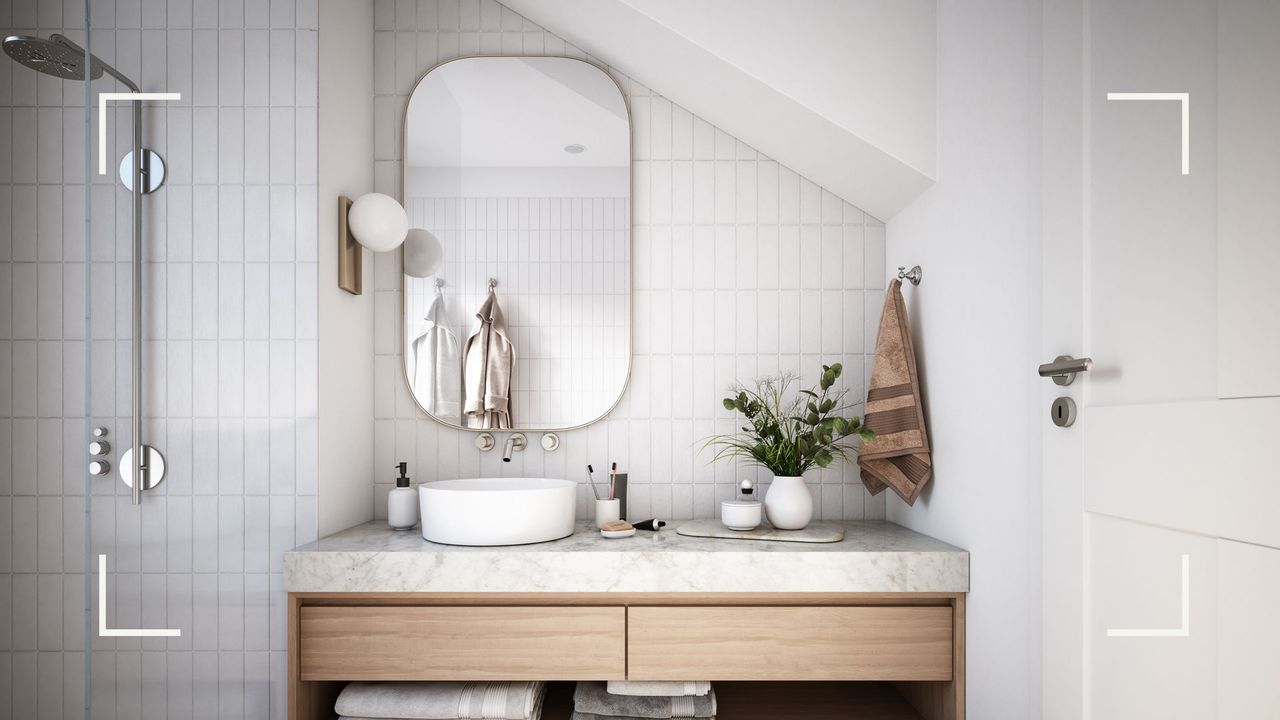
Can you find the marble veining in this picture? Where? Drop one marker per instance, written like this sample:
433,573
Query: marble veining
874,556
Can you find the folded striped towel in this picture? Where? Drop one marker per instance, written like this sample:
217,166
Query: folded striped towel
441,701
659,688
592,698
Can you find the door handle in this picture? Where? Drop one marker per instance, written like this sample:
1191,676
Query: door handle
1063,369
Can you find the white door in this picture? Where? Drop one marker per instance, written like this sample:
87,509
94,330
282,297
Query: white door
1161,257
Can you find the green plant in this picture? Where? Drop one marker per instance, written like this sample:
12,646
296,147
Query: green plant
789,434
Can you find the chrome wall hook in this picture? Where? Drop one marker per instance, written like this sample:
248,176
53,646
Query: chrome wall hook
912,276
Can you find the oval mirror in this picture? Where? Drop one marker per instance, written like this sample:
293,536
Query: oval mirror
521,168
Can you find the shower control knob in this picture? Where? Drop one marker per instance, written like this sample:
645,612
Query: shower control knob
98,448
99,467
99,432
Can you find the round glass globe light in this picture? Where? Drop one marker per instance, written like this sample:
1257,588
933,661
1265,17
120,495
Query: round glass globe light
423,253
378,222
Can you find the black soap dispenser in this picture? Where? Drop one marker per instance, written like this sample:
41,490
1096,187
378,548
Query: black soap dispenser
402,502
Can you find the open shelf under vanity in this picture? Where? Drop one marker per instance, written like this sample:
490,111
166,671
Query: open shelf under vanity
763,700
781,701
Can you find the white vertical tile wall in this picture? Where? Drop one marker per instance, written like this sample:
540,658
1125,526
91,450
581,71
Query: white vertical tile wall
741,268
230,360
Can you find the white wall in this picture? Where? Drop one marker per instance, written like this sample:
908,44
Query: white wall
346,327
741,267
869,66
974,318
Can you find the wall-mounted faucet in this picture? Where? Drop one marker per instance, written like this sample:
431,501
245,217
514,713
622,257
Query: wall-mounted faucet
515,443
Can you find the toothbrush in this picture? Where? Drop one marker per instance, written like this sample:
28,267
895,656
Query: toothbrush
592,479
613,480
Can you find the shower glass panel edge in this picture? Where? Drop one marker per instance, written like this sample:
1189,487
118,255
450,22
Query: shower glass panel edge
87,567
87,636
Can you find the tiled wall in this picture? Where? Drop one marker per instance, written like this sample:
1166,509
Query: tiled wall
741,268
563,284
230,360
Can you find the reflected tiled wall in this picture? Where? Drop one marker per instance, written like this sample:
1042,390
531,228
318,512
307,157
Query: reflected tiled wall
563,285
230,360
742,268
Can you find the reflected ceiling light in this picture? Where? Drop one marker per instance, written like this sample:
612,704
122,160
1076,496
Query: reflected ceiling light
574,149
423,253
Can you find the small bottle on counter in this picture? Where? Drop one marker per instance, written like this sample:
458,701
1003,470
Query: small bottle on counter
402,502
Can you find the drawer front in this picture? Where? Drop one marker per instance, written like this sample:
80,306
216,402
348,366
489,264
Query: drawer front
790,643
462,643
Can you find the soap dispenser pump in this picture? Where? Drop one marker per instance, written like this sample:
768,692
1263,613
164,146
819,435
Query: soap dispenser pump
402,502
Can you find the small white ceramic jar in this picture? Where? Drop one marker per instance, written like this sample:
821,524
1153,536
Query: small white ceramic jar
740,514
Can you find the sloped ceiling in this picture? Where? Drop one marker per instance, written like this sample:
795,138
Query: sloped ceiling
842,91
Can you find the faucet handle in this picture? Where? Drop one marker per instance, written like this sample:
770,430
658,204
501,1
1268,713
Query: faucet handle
485,442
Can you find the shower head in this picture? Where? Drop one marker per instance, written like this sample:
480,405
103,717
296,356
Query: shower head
61,58
56,56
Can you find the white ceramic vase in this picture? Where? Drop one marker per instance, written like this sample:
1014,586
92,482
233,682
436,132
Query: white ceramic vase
788,504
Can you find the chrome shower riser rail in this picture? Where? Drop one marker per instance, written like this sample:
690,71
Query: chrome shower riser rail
139,457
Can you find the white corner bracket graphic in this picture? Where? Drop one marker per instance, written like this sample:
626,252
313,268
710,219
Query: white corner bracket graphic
103,630
102,118
1185,100
1184,630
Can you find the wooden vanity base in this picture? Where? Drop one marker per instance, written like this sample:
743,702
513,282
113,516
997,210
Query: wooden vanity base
880,655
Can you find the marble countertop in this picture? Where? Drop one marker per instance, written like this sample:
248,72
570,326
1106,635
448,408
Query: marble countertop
875,556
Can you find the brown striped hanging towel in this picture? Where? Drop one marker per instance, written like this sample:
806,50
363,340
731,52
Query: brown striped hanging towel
898,457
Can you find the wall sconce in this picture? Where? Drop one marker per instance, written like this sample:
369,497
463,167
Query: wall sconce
375,221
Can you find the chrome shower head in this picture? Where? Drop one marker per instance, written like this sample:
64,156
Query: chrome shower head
56,56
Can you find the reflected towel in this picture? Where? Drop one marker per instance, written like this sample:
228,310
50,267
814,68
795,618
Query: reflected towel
659,688
898,457
434,365
592,698
441,700
488,362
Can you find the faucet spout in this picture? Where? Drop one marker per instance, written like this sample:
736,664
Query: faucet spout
515,443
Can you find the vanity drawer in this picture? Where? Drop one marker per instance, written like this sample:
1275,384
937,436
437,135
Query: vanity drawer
790,643
462,643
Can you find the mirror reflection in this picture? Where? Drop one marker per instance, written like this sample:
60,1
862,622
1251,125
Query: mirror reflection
520,168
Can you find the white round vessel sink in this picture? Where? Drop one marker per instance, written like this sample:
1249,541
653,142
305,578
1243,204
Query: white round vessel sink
497,511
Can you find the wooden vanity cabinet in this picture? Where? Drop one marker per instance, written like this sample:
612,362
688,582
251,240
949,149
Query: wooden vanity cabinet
914,641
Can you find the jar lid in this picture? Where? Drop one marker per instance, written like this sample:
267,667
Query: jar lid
740,503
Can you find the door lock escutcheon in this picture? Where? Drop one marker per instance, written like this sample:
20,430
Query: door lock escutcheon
1063,412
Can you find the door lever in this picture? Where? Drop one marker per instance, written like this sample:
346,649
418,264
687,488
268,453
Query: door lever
1063,369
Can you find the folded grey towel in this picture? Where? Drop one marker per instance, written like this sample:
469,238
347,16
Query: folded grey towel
588,716
593,698
441,700
659,688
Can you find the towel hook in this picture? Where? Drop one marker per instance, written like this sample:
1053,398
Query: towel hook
912,276
492,284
